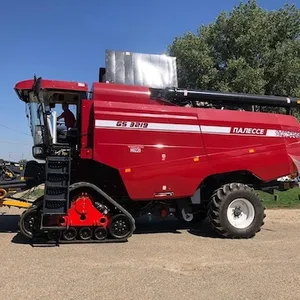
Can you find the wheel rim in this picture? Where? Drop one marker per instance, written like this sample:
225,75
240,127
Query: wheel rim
27,222
70,234
240,213
120,227
100,233
85,233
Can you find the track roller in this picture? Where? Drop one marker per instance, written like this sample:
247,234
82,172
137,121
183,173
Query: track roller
69,234
85,233
54,235
100,233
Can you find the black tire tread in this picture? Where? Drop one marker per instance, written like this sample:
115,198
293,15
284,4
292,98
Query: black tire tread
214,211
33,208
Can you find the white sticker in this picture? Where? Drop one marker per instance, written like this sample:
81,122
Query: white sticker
135,149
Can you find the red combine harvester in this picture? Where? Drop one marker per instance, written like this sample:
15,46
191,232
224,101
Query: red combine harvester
142,145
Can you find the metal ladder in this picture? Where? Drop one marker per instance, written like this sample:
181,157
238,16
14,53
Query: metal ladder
58,169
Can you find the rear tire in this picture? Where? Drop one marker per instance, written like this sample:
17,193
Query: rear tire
235,211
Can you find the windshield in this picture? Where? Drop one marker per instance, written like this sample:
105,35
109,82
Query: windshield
38,129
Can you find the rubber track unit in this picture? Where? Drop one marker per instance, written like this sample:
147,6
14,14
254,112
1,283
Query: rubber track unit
39,237
217,211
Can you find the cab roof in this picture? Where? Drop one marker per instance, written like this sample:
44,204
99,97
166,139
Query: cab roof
23,87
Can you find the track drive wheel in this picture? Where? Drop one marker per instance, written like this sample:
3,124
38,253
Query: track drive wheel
27,221
120,226
236,211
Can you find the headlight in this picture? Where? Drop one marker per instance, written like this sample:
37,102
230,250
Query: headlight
37,150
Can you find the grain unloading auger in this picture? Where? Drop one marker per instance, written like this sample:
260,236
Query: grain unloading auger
136,149
182,96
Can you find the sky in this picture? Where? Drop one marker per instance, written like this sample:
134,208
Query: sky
66,40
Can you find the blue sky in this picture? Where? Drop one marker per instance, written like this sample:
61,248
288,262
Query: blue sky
66,40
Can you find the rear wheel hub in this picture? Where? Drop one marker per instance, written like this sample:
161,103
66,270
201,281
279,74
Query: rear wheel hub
240,213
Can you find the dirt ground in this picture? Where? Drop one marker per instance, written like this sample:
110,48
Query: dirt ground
164,262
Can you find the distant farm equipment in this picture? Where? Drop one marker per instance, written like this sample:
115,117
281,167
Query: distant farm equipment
16,177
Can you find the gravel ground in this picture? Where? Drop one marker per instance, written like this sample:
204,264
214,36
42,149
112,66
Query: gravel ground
165,264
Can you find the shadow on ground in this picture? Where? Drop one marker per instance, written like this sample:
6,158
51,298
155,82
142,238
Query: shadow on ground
173,225
9,224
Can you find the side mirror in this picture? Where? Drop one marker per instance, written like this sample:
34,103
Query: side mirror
37,86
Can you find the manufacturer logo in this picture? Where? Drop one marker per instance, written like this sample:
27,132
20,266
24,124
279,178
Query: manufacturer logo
255,131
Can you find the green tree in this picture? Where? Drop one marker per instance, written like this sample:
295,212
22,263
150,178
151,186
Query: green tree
249,50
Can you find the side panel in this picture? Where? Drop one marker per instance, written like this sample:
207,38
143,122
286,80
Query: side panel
157,149
245,141
291,134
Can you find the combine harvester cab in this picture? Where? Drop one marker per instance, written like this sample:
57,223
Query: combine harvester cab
141,145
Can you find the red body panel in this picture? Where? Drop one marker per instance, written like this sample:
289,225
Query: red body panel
161,149
160,161
120,93
231,147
